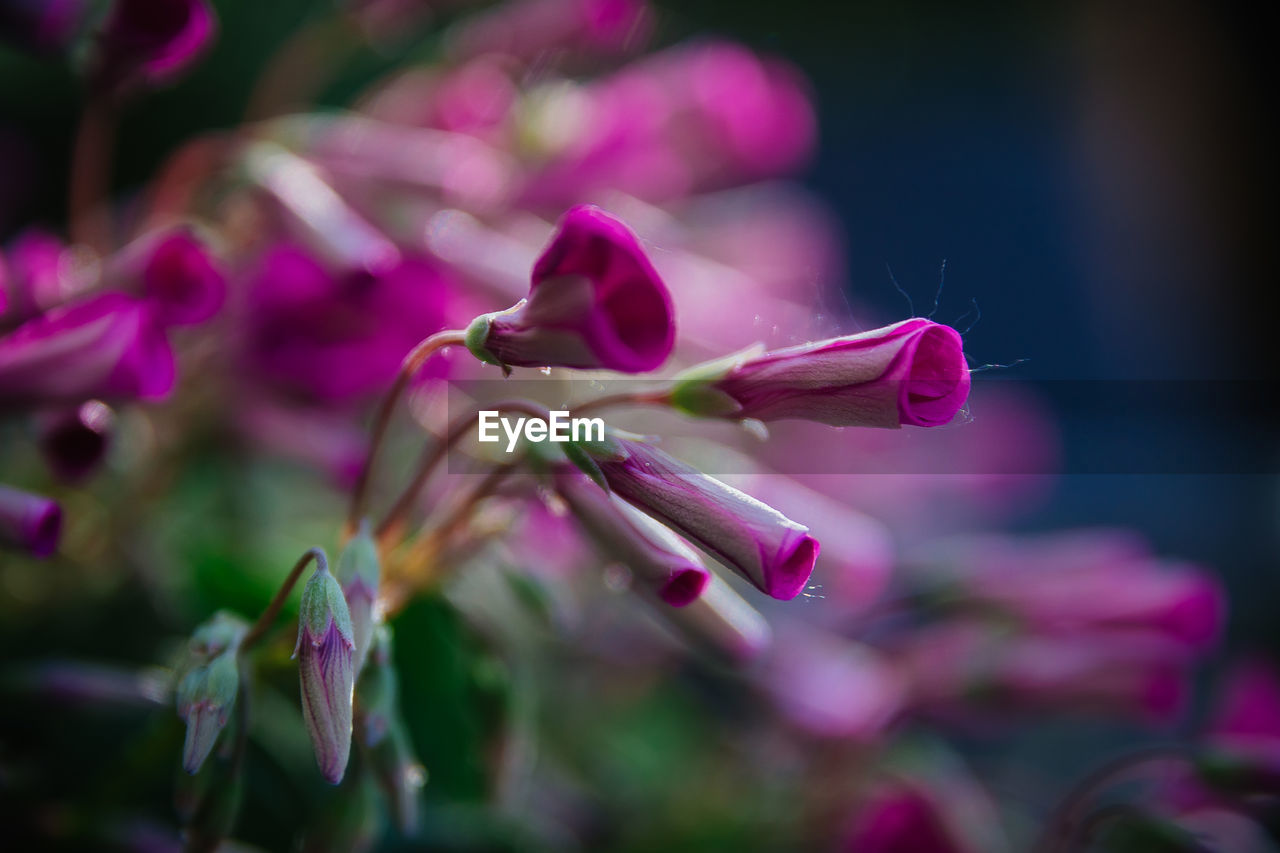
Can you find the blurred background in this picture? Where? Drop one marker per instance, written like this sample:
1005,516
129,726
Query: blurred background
1098,179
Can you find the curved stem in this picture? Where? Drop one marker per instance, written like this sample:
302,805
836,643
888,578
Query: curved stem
91,174
381,420
268,617
432,458
1060,830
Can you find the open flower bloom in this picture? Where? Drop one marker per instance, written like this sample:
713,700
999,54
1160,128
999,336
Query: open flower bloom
771,551
30,522
155,40
182,280
656,557
595,302
325,652
913,372
108,346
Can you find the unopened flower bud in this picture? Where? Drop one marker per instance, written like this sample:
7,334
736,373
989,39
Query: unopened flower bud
913,372
326,645
657,558
208,691
771,551
359,571
595,302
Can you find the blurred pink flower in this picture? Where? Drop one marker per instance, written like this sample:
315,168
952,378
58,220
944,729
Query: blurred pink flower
42,273
1084,581
595,302
29,522
109,346
531,29
828,685
900,818
183,281
332,337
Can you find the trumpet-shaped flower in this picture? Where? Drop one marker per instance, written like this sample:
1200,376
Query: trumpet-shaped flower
771,551
913,372
595,302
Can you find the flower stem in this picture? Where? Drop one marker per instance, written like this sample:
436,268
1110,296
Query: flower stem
268,617
91,174
631,398
382,419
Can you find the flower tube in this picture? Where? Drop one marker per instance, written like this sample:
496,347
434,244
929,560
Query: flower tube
913,372
595,302
771,551
656,557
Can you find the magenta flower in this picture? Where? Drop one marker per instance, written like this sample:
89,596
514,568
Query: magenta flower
154,40
325,651
331,337
830,686
913,372
29,522
900,818
771,551
41,274
658,560
1082,582
595,302
182,280
108,346
75,441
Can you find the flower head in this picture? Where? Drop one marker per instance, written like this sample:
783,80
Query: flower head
656,557
108,346
913,372
595,302
325,649
771,551
29,522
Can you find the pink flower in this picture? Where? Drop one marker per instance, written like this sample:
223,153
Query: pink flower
335,336
29,522
900,818
154,40
42,274
913,372
108,346
1084,581
830,686
181,279
595,302
531,29
658,560
771,551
